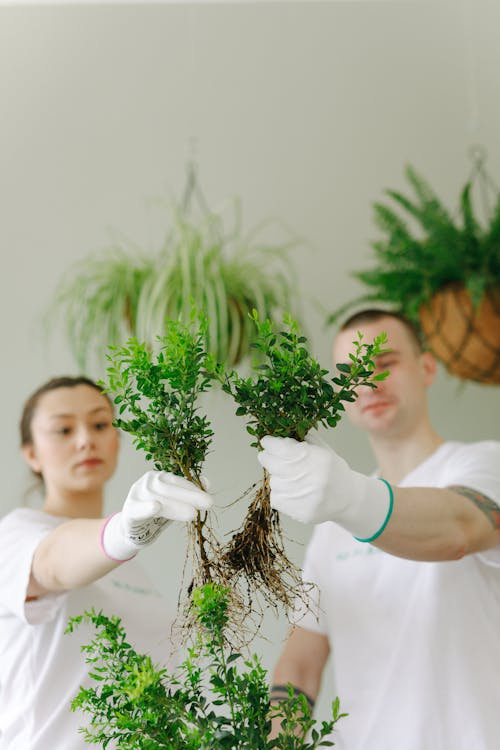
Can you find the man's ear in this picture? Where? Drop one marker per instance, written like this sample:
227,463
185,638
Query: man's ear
29,455
429,367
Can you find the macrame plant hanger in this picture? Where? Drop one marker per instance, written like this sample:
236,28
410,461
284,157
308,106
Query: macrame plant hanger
192,190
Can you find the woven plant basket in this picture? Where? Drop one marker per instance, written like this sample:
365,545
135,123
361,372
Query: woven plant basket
464,339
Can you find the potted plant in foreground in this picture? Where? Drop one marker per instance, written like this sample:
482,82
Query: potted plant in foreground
209,703
444,274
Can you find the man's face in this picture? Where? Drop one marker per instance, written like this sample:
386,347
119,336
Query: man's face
394,408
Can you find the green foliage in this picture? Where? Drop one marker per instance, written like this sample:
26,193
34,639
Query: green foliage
217,699
157,396
98,298
289,394
122,291
414,262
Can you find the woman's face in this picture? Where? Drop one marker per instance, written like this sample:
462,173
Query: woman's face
75,446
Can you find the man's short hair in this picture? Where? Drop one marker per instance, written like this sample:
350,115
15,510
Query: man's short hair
372,314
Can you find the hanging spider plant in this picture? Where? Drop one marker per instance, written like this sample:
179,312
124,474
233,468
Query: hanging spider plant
98,298
121,291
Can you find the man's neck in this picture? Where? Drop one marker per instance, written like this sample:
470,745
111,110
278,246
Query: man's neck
397,456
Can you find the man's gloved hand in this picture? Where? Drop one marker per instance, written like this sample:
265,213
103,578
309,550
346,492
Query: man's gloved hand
156,499
312,484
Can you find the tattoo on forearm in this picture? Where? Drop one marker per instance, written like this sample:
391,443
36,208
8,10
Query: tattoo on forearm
282,692
485,504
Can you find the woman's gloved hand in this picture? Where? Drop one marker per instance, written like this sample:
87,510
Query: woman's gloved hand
156,499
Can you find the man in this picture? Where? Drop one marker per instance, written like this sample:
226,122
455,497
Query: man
408,574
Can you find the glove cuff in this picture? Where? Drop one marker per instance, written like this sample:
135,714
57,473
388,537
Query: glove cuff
113,541
367,518
387,517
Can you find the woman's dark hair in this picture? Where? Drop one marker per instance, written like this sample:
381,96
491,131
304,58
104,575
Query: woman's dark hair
64,381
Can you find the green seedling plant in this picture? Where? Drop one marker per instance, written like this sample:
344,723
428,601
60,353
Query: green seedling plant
288,395
157,398
216,699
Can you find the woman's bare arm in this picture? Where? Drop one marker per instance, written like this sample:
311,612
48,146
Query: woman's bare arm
68,557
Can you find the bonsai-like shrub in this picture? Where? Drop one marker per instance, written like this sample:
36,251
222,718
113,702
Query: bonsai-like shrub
288,395
157,394
217,699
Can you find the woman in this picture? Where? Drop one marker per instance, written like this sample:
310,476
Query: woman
60,560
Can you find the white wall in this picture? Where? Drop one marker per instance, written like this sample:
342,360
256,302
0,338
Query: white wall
305,110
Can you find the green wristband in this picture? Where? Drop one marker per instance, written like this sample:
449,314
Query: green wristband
389,514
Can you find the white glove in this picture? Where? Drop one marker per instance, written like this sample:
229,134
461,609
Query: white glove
312,484
156,499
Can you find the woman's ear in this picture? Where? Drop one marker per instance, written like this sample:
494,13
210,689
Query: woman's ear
29,455
429,365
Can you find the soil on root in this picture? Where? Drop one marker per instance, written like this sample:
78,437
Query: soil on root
204,564
253,567
255,561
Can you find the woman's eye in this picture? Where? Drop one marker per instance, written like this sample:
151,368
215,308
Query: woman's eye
101,425
63,430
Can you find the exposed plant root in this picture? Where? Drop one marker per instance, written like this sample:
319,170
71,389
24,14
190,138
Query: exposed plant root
204,564
254,560
253,568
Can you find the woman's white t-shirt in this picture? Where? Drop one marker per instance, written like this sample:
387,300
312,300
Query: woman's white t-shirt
41,667
415,646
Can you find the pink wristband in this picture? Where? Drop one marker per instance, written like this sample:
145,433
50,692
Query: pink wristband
101,541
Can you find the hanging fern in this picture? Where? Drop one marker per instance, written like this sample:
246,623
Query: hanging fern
412,262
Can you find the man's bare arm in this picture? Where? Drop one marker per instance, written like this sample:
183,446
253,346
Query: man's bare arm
301,664
439,524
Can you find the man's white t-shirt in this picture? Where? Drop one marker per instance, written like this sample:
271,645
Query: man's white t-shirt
415,646
41,667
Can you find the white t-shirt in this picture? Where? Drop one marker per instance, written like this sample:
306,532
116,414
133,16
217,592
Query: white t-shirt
41,667
415,646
